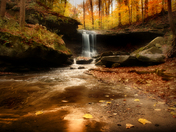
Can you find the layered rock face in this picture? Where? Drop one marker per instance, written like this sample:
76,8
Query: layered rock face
154,52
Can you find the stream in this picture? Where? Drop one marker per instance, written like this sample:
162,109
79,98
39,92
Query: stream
57,100
62,95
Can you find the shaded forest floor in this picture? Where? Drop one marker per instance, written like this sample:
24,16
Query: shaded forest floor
146,82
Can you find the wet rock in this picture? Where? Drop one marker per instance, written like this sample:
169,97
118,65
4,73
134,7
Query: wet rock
115,65
84,61
151,58
72,67
110,60
81,67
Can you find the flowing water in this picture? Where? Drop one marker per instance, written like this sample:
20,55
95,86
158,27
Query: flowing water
63,95
88,43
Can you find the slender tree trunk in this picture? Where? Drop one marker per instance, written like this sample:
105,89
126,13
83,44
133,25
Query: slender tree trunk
163,3
84,15
91,6
102,13
137,11
172,25
142,5
171,21
3,8
65,5
112,12
22,15
119,6
129,11
146,8
99,6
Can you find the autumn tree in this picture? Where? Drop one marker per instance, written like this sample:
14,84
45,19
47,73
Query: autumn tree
3,8
22,15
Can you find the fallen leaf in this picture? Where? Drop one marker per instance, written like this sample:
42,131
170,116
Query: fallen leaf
157,109
161,102
114,113
39,113
143,121
173,113
129,125
88,116
101,101
137,100
103,105
106,96
64,101
172,108
154,104
108,102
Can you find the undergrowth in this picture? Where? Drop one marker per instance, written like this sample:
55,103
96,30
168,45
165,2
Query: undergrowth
34,33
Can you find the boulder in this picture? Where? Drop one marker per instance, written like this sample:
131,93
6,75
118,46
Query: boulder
84,61
151,58
108,61
154,52
155,45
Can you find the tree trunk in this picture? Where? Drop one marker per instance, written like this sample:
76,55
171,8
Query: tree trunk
3,8
91,6
84,15
22,15
163,3
99,6
129,11
146,8
142,11
137,11
112,11
172,25
119,6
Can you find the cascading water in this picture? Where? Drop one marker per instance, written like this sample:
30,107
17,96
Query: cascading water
88,44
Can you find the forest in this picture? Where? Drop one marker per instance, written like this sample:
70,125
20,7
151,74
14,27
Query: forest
107,14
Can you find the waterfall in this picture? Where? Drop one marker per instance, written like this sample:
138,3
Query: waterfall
88,44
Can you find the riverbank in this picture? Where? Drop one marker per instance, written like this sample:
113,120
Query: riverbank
144,79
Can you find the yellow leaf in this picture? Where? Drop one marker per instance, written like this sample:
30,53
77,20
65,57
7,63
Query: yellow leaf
143,121
137,100
101,101
108,102
39,112
173,113
172,108
129,125
157,109
107,96
64,101
154,104
88,116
